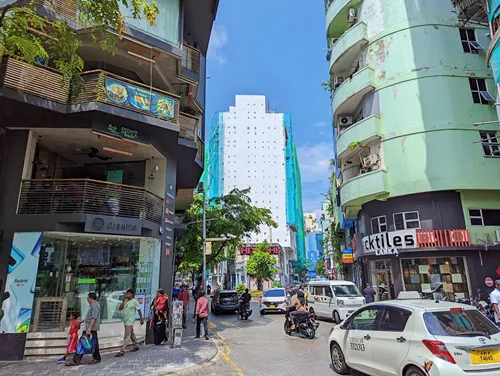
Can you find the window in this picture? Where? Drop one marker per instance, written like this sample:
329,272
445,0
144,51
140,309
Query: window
379,224
458,323
359,117
484,217
367,319
394,320
480,91
469,43
317,290
346,291
490,144
404,221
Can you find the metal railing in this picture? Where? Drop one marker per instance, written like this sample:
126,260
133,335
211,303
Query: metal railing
188,126
64,8
87,196
200,154
443,238
191,59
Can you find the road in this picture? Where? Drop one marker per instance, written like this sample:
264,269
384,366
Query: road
260,347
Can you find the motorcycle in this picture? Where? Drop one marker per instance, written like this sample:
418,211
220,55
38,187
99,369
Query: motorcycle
306,324
245,312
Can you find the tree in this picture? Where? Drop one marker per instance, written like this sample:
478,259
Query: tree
230,214
320,268
261,265
27,36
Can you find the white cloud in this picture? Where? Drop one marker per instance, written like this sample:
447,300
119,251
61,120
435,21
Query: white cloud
314,161
321,123
218,39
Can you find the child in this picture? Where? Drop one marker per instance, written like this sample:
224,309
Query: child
75,321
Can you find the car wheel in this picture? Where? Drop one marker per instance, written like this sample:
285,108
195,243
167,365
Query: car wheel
336,318
414,371
338,360
311,310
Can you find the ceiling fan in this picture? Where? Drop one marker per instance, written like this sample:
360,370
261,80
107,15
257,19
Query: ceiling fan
92,153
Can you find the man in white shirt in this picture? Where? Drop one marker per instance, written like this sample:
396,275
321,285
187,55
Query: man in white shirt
495,301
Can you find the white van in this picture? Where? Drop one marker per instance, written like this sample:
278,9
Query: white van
333,299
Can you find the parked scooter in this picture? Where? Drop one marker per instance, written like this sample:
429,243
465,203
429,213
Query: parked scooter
306,324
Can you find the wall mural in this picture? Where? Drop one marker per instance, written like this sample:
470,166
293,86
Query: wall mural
21,280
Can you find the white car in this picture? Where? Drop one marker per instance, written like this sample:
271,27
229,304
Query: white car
273,300
410,336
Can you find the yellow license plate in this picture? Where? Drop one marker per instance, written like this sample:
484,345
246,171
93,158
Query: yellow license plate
485,356
271,306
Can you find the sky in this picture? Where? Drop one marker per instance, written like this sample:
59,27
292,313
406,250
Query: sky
277,48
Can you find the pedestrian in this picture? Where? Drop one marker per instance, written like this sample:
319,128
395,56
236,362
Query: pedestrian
92,325
184,298
174,293
495,301
202,314
369,293
74,328
209,289
159,307
129,307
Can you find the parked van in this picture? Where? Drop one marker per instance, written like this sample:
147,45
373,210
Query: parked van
333,299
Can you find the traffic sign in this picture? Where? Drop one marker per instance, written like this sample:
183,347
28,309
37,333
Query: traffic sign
488,282
498,271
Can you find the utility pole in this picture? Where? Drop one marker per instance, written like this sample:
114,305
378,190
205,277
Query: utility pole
201,189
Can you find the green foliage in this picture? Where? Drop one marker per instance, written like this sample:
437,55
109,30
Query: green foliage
255,293
328,86
240,289
320,268
230,214
261,264
276,284
355,144
27,36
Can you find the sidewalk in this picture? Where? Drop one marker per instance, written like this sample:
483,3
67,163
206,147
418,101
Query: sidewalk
150,359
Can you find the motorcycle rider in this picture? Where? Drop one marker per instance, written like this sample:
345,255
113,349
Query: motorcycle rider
245,298
300,305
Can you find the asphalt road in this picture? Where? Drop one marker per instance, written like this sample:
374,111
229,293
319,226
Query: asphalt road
260,347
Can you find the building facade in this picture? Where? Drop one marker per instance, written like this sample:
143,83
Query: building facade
249,147
89,179
417,182
310,222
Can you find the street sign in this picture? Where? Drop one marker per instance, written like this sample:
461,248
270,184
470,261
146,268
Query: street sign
208,248
488,282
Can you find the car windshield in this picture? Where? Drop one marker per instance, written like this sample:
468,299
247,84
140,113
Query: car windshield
346,291
228,295
459,323
274,294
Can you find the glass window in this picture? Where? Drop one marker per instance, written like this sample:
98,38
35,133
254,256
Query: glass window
318,290
379,224
407,220
342,291
394,320
479,91
274,293
167,21
367,319
72,265
328,292
490,144
468,37
484,217
459,323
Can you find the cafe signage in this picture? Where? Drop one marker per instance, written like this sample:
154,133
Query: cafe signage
389,243
106,224
120,131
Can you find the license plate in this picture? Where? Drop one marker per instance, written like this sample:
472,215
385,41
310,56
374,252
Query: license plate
485,356
271,306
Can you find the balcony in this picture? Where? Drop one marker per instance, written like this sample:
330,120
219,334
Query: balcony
337,16
200,154
87,196
63,8
361,189
347,96
105,87
365,131
39,81
188,126
190,59
347,48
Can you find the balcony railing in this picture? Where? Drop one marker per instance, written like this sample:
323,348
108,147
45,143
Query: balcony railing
443,238
40,81
87,196
201,150
191,59
105,87
64,8
188,126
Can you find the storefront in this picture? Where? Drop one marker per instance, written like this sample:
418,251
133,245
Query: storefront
51,273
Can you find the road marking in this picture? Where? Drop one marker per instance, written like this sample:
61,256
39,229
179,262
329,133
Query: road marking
226,323
211,325
225,350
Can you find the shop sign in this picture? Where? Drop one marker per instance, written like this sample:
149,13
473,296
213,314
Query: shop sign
119,131
112,225
389,243
347,256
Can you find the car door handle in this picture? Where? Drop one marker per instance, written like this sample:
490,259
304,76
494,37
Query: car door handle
401,339
367,337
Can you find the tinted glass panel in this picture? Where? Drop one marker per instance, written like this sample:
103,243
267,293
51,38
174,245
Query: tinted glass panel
366,319
482,84
274,293
491,217
476,221
458,323
471,34
463,34
474,212
394,320
229,295
473,83
412,215
398,222
346,291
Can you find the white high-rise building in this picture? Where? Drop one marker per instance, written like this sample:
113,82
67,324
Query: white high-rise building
254,143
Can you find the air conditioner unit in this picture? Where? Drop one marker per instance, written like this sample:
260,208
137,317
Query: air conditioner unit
345,121
371,160
496,236
338,80
362,171
351,17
